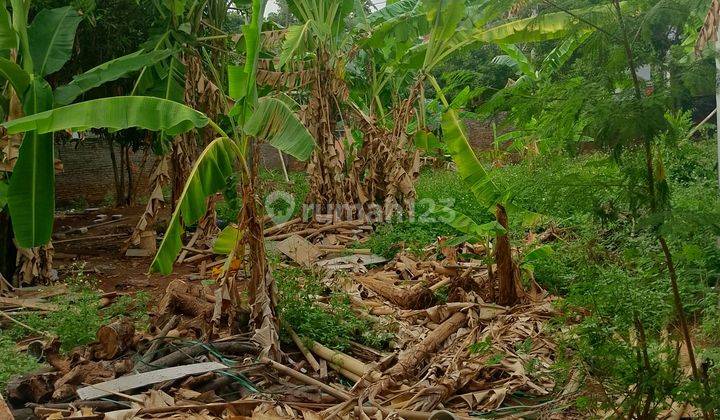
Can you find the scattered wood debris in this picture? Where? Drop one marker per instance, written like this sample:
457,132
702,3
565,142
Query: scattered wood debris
453,353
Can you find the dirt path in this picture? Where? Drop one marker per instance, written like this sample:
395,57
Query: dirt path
102,254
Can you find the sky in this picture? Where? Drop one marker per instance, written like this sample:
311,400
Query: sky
273,7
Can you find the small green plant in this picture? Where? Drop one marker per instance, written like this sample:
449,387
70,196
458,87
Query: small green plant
13,362
481,347
78,279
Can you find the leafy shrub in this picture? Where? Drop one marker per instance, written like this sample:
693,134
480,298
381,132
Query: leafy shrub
333,326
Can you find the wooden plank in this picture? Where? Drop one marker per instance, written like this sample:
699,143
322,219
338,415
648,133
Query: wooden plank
126,383
27,303
299,250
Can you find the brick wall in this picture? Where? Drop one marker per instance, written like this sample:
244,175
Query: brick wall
87,172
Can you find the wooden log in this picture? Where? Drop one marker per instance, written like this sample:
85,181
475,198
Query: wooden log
411,359
115,338
415,297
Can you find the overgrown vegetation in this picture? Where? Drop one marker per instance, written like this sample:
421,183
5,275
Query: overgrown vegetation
74,323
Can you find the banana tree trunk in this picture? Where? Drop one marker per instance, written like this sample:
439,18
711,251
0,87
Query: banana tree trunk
506,270
262,290
8,251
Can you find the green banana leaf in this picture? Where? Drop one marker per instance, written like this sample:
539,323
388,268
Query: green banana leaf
208,176
465,224
107,72
115,113
237,82
3,193
543,27
51,36
469,168
31,196
394,11
227,239
8,37
295,42
474,175
274,122
15,75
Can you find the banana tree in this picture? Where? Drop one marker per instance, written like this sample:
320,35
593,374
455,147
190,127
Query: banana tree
451,30
42,48
320,43
252,120
183,77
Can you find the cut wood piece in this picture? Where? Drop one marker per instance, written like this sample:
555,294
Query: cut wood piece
299,250
185,298
350,261
115,338
127,383
139,253
416,297
345,362
411,359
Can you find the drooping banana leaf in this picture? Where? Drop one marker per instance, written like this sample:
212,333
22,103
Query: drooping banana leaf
465,224
514,57
543,27
51,36
473,174
227,240
208,176
31,196
274,122
15,75
107,72
469,168
115,113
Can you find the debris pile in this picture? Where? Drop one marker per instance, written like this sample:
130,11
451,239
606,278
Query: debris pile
451,349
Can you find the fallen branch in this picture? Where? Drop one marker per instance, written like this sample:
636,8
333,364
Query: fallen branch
341,395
